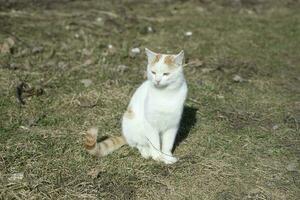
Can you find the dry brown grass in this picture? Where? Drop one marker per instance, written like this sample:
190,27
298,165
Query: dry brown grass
239,139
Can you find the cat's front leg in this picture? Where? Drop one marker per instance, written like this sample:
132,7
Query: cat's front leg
168,139
144,150
154,145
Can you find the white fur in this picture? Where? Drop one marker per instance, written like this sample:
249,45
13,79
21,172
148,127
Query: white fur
157,109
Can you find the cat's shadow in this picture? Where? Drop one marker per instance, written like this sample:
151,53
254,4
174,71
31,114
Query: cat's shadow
188,120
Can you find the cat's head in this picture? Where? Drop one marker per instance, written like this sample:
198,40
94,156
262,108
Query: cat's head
164,69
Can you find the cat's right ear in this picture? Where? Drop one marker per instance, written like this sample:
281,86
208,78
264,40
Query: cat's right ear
150,55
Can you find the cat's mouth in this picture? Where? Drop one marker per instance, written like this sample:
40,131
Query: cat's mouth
159,85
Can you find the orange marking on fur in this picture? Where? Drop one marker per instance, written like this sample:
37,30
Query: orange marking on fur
157,58
114,141
169,60
90,142
106,144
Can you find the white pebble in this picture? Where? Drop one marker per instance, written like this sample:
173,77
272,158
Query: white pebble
188,33
149,29
135,51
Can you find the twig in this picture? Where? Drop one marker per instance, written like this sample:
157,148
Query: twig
194,101
19,92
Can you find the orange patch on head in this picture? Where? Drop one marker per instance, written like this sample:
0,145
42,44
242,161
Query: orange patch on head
156,59
169,60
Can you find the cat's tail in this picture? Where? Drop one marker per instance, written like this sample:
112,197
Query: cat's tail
104,147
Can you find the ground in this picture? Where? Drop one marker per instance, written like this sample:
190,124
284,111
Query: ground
66,66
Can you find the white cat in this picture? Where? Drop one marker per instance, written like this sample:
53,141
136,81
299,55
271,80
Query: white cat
152,118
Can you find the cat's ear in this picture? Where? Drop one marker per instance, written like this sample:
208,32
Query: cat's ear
179,58
150,55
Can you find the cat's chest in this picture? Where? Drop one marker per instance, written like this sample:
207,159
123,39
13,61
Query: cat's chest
164,111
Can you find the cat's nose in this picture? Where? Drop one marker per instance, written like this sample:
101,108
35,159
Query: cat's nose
157,82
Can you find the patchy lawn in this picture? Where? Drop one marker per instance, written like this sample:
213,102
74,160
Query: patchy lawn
67,65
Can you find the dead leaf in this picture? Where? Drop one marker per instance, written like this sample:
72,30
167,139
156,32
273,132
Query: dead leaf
86,102
195,63
7,46
94,172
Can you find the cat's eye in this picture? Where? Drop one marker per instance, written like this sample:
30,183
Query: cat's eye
153,72
166,74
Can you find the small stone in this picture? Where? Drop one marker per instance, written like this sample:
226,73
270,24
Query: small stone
292,166
250,12
135,50
200,9
86,52
275,127
237,78
149,29
99,19
207,70
37,49
219,96
88,62
24,127
122,68
188,33
111,49
86,82
4,48
14,66
62,65
10,42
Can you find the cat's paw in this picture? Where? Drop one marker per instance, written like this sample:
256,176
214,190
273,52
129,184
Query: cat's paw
145,154
169,159
156,156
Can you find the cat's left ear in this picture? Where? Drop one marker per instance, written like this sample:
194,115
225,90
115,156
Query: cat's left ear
150,55
179,58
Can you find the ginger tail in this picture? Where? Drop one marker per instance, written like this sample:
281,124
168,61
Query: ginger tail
104,147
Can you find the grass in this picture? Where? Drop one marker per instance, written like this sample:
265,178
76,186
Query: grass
238,139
